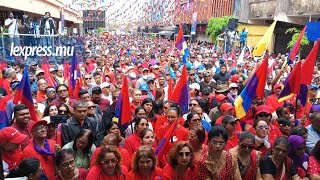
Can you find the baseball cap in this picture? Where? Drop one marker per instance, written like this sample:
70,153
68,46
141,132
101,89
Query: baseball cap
145,69
235,78
195,86
150,79
53,69
226,107
233,85
39,71
14,85
314,86
221,97
41,122
228,119
104,85
155,66
276,86
12,135
144,87
264,108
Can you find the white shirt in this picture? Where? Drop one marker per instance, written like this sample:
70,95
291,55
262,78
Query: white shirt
13,29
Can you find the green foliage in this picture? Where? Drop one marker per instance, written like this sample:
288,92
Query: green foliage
99,30
296,33
215,25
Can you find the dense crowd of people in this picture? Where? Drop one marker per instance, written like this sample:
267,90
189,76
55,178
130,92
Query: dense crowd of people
275,140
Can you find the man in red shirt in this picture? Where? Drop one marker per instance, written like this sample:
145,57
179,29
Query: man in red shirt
9,75
229,123
11,139
272,100
136,100
22,122
42,148
227,109
41,94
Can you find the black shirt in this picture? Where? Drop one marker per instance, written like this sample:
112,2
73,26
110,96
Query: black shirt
268,167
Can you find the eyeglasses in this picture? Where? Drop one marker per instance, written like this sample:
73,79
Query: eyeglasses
196,120
263,127
40,128
67,164
87,78
263,115
246,146
109,161
193,104
220,143
92,107
63,90
181,154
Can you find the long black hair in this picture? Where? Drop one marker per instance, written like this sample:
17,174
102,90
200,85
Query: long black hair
26,168
87,149
152,115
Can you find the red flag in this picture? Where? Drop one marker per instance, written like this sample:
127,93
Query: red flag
47,75
164,144
170,88
308,65
66,69
78,88
295,48
125,115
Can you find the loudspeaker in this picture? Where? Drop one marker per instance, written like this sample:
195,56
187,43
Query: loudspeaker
233,24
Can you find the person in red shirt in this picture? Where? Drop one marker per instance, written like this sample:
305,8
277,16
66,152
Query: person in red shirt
42,94
229,123
42,148
66,166
227,109
262,141
136,100
11,139
272,100
22,122
133,142
9,75
107,165
144,165
63,94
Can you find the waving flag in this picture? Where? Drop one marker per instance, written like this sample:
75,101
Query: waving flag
295,48
291,84
170,88
47,75
307,71
75,81
264,41
180,93
24,96
181,44
66,69
255,87
241,57
123,104
164,144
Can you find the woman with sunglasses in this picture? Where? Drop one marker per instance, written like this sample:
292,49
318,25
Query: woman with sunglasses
107,166
66,166
278,165
144,165
216,163
63,109
298,154
132,143
197,137
247,158
262,141
181,163
83,148
193,120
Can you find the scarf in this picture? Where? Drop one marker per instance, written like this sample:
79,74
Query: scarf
265,141
45,150
300,161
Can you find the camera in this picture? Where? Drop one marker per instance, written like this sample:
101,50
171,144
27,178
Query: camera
58,119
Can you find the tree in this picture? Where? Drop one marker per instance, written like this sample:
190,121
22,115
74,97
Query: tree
215,25
99,30
304,40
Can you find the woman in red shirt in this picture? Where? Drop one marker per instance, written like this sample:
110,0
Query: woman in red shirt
148,105
133,142
66,165
314,163
262,142
144,165
108,165
181,163
197,137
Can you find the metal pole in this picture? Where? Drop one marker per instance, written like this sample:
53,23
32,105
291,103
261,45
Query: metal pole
3,52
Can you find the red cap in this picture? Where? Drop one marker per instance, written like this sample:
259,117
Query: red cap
226,107
234,78
276,86
41,122
12,135
221,97
264,108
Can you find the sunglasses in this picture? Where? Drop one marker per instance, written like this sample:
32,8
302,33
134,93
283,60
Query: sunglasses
193,104
50,92
64,90
196,120
245,146
91,107
263,127
181,154
263,115
220,143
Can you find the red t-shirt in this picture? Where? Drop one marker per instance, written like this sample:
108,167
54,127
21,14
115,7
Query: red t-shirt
13,159
6,85
132,143
155,175
232,142
26,132
83,173
238,126
313,166
272,101
47,162
125,157
41,96
170,174
96,172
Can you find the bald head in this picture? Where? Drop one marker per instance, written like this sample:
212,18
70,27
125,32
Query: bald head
111,139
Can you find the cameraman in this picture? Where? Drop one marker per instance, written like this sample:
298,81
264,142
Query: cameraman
47,27
29,29
13,29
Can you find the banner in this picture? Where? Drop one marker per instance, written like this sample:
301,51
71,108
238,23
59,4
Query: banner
194,23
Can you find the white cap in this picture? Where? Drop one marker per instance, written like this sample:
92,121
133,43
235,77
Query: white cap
195,86
104,85
233,85
229,59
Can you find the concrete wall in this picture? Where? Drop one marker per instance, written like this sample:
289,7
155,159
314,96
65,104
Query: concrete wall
40,7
